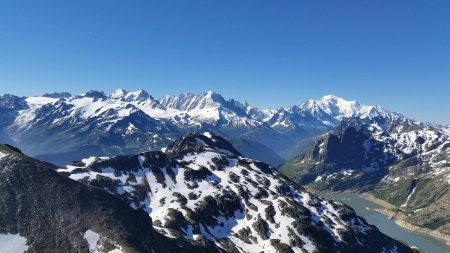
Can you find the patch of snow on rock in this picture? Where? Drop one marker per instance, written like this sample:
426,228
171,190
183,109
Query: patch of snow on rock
92,239
12,243
2,155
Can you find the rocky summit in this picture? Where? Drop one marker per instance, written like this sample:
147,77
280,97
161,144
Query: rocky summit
201,189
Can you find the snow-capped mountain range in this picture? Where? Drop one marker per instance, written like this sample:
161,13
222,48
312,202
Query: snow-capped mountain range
203,189
124,122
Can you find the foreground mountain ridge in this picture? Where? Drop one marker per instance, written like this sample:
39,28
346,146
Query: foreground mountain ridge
43,211
124,122
201,188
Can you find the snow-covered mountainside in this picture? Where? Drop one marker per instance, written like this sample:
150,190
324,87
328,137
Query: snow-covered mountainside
210,107
203,189
366,146
402,161
43,211
60,127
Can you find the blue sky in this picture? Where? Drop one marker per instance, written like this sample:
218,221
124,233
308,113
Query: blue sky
270,53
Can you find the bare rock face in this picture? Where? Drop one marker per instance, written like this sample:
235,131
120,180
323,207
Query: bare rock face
202,189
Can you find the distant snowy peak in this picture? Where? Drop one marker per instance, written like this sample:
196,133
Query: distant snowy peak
118,94
340,108
94,94
211,107
132,96
189,101
327,112
143,101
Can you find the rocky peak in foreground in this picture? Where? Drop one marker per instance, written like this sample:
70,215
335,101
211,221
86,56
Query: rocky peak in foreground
202,189
43,211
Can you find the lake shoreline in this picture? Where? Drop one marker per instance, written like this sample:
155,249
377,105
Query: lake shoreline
400,218
384,216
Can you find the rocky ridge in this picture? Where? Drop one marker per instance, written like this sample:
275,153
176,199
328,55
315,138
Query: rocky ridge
203,189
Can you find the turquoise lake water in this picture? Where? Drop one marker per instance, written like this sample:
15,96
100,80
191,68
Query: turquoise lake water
363,208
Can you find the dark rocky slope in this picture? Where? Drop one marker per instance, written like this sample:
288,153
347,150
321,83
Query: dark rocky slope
54,212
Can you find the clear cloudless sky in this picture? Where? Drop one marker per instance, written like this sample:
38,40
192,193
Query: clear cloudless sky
270,53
